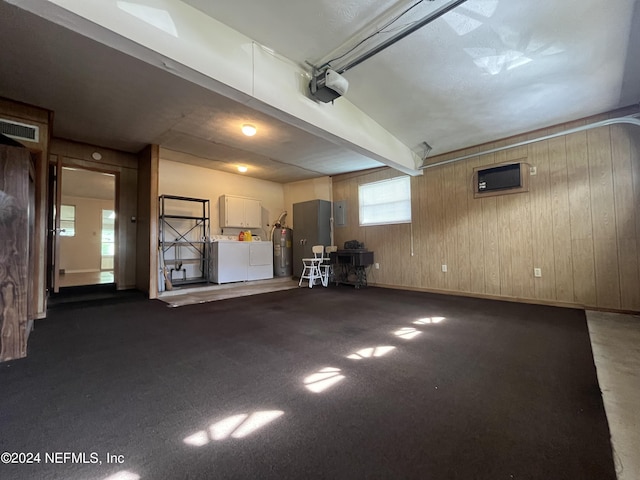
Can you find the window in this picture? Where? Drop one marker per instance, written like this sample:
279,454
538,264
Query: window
108,239
388,201
67,220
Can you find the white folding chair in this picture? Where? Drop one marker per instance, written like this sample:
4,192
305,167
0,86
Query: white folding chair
311,266
325,267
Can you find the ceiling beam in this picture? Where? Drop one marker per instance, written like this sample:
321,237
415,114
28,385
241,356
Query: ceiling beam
193,46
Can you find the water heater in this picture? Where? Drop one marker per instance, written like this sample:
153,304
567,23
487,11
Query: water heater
282,252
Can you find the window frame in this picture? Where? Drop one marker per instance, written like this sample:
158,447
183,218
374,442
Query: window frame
401,179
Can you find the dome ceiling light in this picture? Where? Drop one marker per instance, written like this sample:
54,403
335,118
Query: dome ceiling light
249,130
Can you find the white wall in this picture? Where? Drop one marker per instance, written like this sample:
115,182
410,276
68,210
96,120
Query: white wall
197,182
82,252
186,180
303,191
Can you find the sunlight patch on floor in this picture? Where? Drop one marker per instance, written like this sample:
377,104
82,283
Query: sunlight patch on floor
428,320
198,439
123,475
407,333
371,352
256,421
235,426
323,379
224,428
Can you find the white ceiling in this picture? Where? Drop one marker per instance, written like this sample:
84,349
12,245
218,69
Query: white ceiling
487,70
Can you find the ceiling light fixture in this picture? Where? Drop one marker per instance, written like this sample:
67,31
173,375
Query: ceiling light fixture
242,168
249,130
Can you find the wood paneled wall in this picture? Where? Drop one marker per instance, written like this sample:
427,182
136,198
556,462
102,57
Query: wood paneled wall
125,167
147,258
579,223
39,150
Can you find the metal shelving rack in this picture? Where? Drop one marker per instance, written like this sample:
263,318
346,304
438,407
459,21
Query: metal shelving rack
182,234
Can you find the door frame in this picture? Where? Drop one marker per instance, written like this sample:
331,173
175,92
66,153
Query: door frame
61,161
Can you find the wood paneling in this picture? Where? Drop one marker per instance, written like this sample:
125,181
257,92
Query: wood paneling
147,221
603,217
521,233
627,204
435,234
476,244
560,219
450,239
420,242
15,275
40,232
415,243
462,262
127,228
579,223
542,222
491,251
635,163
584,284
83,152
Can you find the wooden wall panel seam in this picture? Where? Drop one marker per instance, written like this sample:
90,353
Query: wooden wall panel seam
603,213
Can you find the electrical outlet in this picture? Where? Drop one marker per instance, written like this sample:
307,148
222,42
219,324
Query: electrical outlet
377,265
537,272
444,269
533,171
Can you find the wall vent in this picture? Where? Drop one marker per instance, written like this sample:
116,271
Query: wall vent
19,131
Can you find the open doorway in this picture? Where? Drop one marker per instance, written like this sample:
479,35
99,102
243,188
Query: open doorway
87,228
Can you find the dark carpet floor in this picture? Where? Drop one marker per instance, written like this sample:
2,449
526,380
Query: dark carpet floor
95,294
225,390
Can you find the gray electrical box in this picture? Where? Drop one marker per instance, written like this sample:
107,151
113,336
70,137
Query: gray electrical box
340,213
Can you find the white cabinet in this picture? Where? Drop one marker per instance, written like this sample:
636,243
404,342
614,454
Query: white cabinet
240,212
252,213
241,261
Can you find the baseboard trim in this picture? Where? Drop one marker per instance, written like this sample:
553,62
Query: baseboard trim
532,301
613,310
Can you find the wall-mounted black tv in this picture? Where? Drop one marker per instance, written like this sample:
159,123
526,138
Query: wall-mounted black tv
499,178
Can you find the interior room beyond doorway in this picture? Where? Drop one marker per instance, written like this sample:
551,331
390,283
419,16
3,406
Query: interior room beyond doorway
87,223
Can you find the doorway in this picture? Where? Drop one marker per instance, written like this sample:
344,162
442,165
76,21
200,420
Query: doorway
87,228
